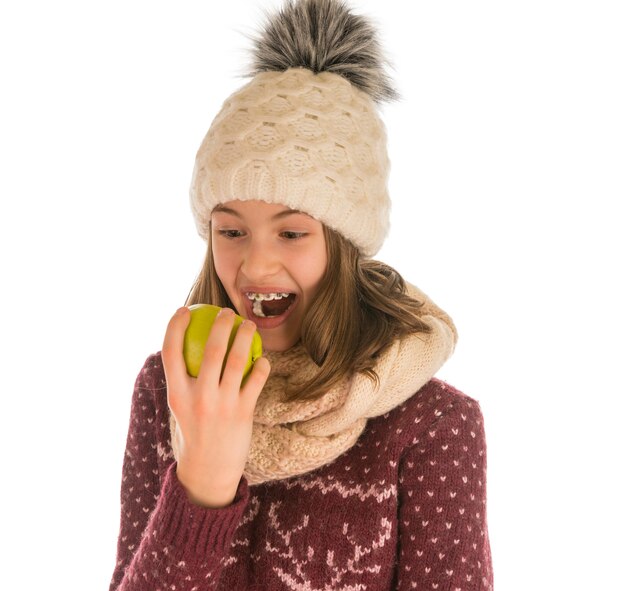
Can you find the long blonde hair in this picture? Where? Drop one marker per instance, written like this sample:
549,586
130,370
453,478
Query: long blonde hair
360,308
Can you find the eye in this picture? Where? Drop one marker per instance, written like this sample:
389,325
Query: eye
229,233
294,235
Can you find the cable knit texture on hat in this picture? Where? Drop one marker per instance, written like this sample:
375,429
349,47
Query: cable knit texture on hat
312,142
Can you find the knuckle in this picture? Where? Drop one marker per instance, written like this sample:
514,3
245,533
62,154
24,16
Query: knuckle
210,409
238,356
168,347
214,352
262,367
171,325
226,318
215,344
174,402
203,409
167,353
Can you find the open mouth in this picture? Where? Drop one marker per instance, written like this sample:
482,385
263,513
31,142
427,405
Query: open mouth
270,305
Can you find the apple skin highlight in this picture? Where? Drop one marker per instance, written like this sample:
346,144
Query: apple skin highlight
198,330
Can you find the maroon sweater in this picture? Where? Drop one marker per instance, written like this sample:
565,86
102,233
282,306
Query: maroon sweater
403,509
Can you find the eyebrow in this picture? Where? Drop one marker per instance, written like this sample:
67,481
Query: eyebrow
279,215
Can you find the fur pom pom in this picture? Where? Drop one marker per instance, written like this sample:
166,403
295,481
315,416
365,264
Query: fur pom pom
323,35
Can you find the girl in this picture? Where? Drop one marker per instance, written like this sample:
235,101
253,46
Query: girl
341,462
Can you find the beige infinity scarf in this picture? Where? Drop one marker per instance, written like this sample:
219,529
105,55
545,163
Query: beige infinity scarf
291,438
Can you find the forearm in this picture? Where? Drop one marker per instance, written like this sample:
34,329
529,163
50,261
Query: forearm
183,545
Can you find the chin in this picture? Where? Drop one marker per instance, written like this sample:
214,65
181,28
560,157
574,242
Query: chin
276,342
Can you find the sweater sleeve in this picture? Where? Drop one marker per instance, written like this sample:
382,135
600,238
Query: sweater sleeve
442,521
165,541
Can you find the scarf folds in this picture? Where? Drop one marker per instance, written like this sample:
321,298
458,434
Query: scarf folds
293,438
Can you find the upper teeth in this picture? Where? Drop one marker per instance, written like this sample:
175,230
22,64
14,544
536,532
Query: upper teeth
266,296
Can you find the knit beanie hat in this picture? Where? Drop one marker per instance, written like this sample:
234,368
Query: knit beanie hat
305,131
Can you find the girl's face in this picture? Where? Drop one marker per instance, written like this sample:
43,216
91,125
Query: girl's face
262,248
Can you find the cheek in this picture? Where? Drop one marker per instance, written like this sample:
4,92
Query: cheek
222,262
316,267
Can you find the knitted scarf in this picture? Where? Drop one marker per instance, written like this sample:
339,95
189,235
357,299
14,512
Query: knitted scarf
292,438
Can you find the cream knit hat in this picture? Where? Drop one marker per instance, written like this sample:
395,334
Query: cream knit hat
305,132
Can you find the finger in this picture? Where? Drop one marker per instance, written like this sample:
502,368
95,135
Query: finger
238,356
172,349
254,383
215,350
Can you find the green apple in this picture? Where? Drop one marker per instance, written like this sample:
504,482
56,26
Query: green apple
197,333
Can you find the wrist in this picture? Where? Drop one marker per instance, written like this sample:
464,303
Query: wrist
205,495
210,501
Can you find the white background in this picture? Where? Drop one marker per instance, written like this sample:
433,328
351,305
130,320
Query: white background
508,168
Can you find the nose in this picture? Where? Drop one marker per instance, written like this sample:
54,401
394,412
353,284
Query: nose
260,261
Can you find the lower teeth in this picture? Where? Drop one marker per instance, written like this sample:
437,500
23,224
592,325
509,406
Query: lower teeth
257,308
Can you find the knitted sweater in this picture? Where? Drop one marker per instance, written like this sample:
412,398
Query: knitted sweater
403,509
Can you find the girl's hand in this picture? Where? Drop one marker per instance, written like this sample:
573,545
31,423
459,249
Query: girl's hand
213,416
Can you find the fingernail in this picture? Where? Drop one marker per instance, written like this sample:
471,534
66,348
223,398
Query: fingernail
225,312
181,311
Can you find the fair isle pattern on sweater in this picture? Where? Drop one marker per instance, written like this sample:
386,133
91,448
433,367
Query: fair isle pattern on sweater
403,509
